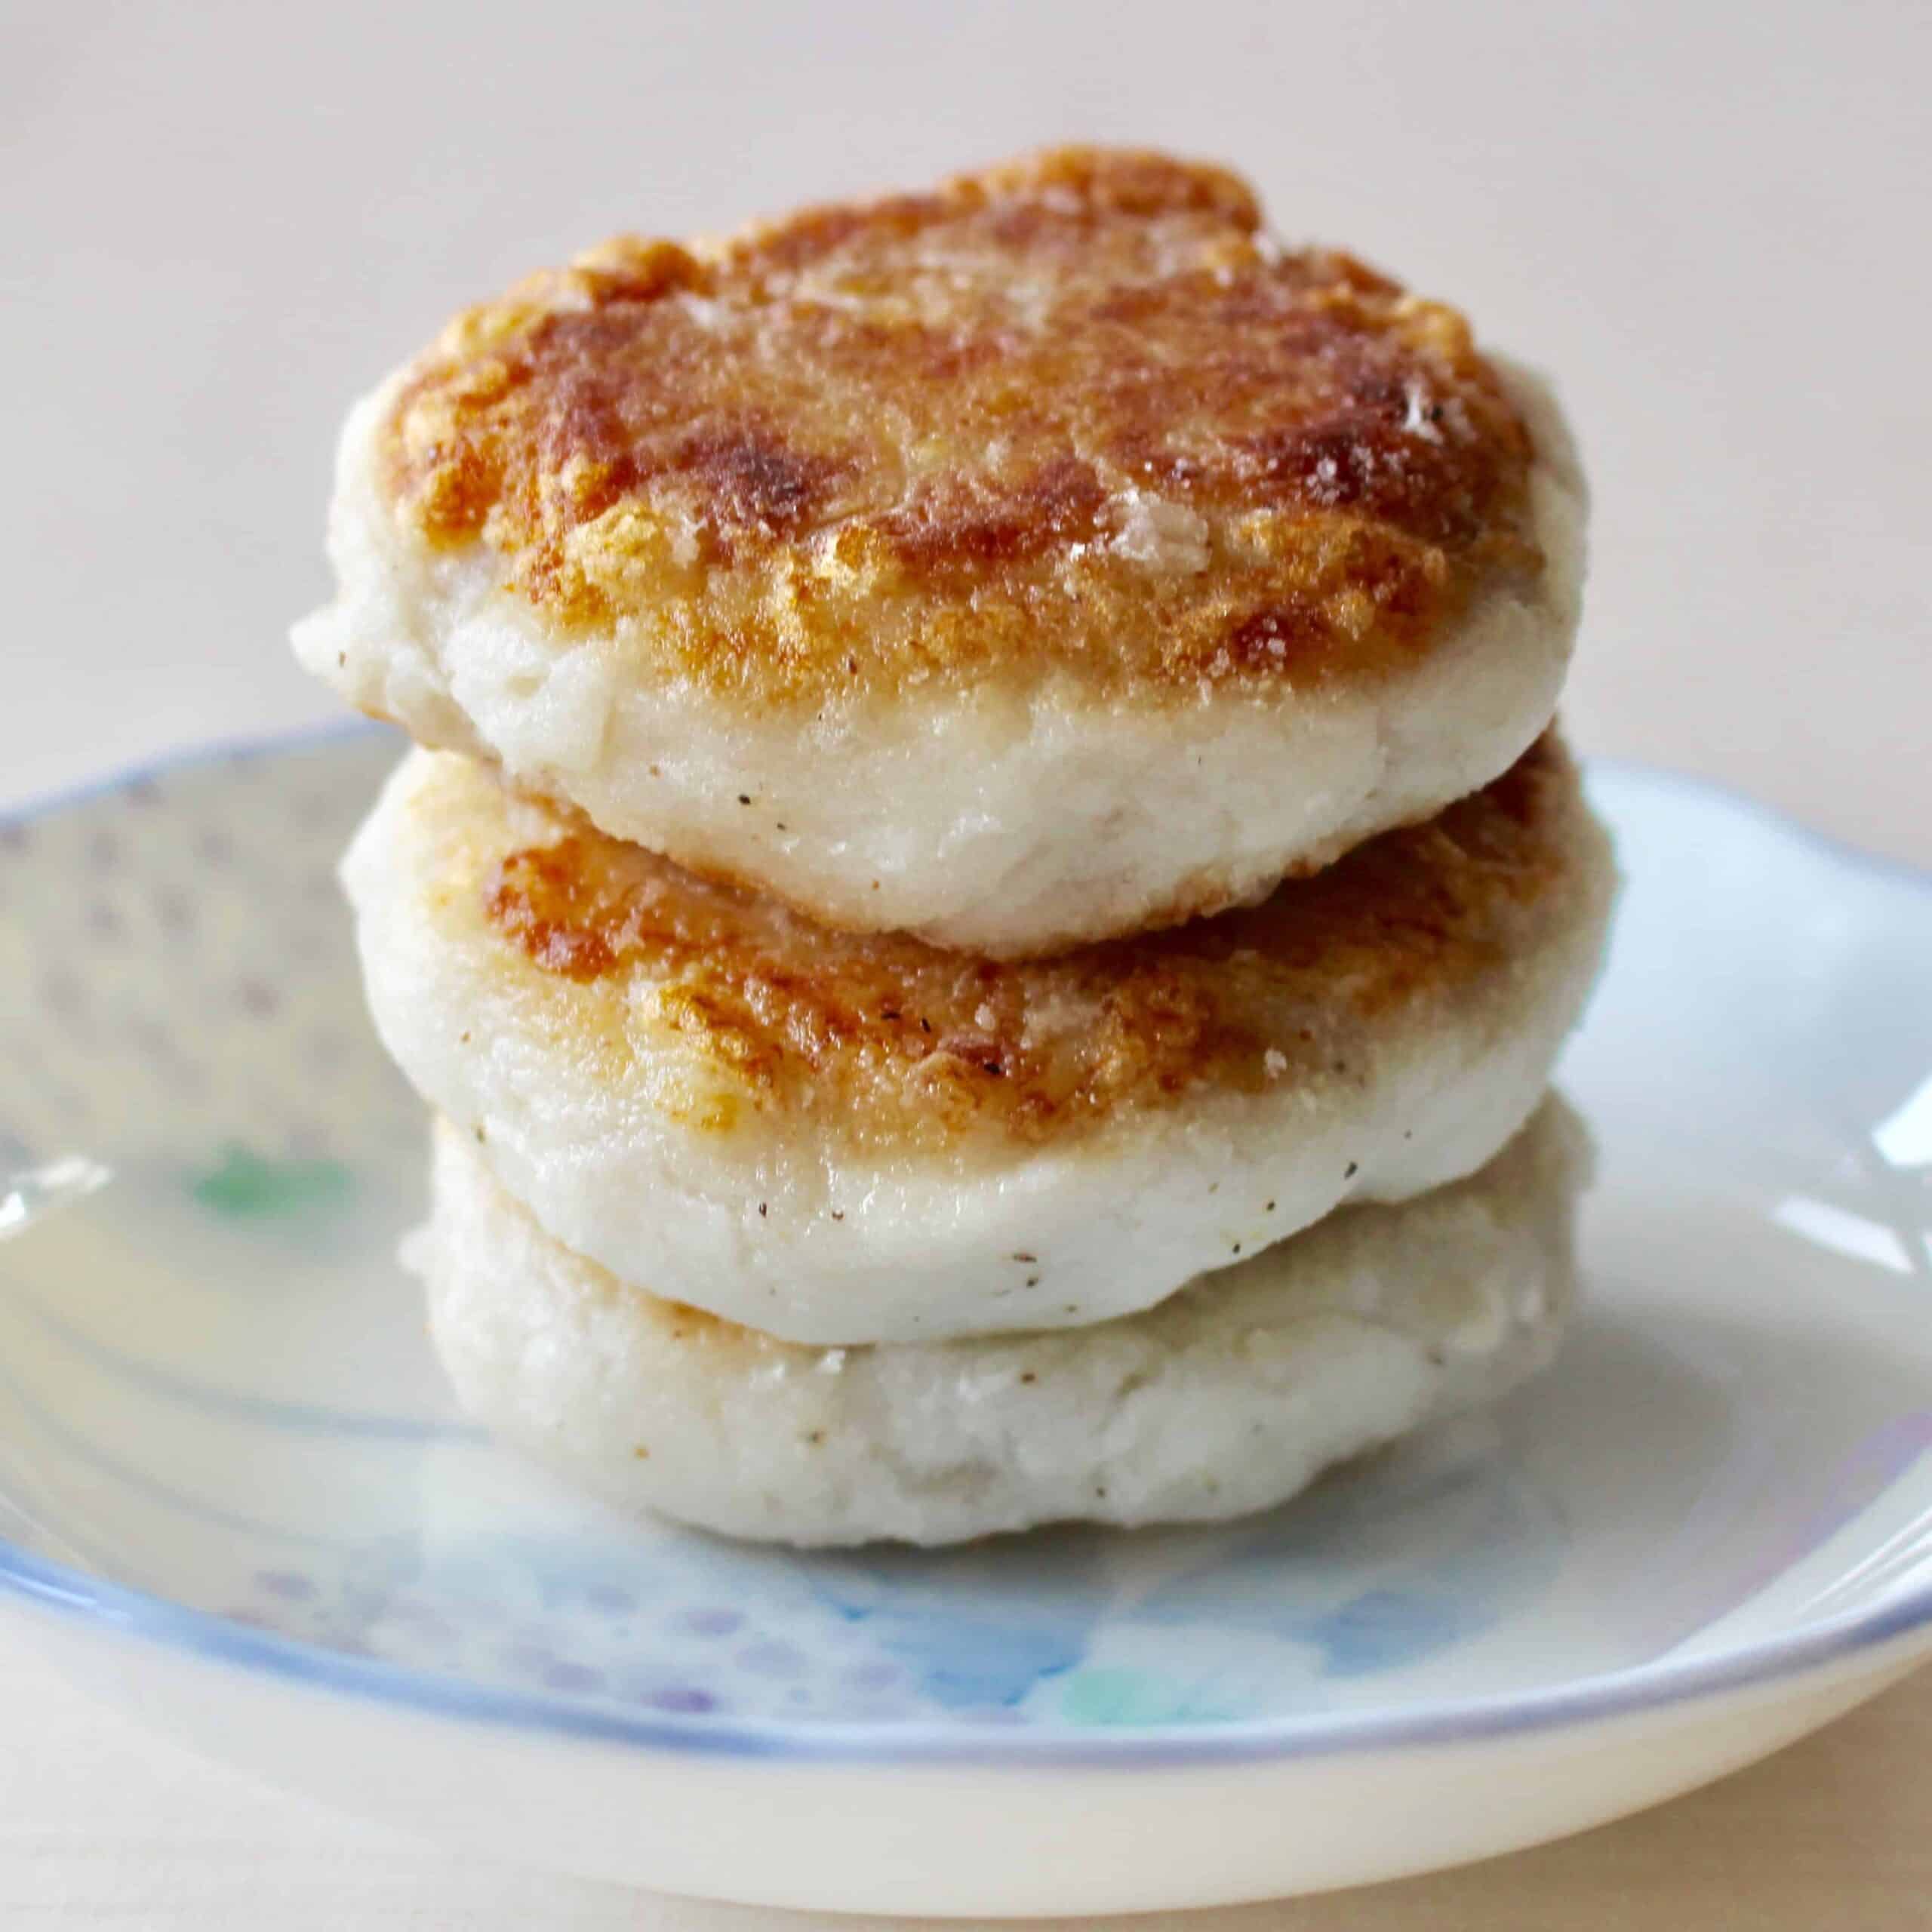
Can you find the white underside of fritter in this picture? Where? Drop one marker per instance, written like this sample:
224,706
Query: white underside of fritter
1230,1396
1005,821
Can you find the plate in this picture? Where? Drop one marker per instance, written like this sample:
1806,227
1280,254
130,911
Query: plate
234,1499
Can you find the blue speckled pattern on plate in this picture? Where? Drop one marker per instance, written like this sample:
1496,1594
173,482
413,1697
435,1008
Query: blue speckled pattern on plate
215,1391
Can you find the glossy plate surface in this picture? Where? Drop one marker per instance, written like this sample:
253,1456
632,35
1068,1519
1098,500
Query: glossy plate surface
230,1480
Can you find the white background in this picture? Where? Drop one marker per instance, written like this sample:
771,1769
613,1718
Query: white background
1709,220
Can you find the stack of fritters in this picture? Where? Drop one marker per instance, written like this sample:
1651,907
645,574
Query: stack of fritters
991,897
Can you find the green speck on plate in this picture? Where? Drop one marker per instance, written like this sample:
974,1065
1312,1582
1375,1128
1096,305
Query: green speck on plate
1102,1695
245,1187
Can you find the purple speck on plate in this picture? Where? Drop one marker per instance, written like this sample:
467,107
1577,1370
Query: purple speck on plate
711,1623
611,1597
680,1700
771,1659
289,1585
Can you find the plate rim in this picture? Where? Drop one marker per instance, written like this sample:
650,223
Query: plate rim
120,1611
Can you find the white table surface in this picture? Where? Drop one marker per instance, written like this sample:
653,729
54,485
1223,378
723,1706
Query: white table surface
1711,221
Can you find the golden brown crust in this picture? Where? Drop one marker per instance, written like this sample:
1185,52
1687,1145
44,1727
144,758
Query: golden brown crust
1073,416
888,1034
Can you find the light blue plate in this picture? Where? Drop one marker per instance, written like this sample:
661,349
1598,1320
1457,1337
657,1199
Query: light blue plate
222,1433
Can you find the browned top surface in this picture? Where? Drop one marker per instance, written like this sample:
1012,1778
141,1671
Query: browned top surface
885,1035
1075,413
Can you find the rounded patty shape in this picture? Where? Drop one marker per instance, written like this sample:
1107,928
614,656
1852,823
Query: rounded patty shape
1039,559
1228,1398
839,1138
